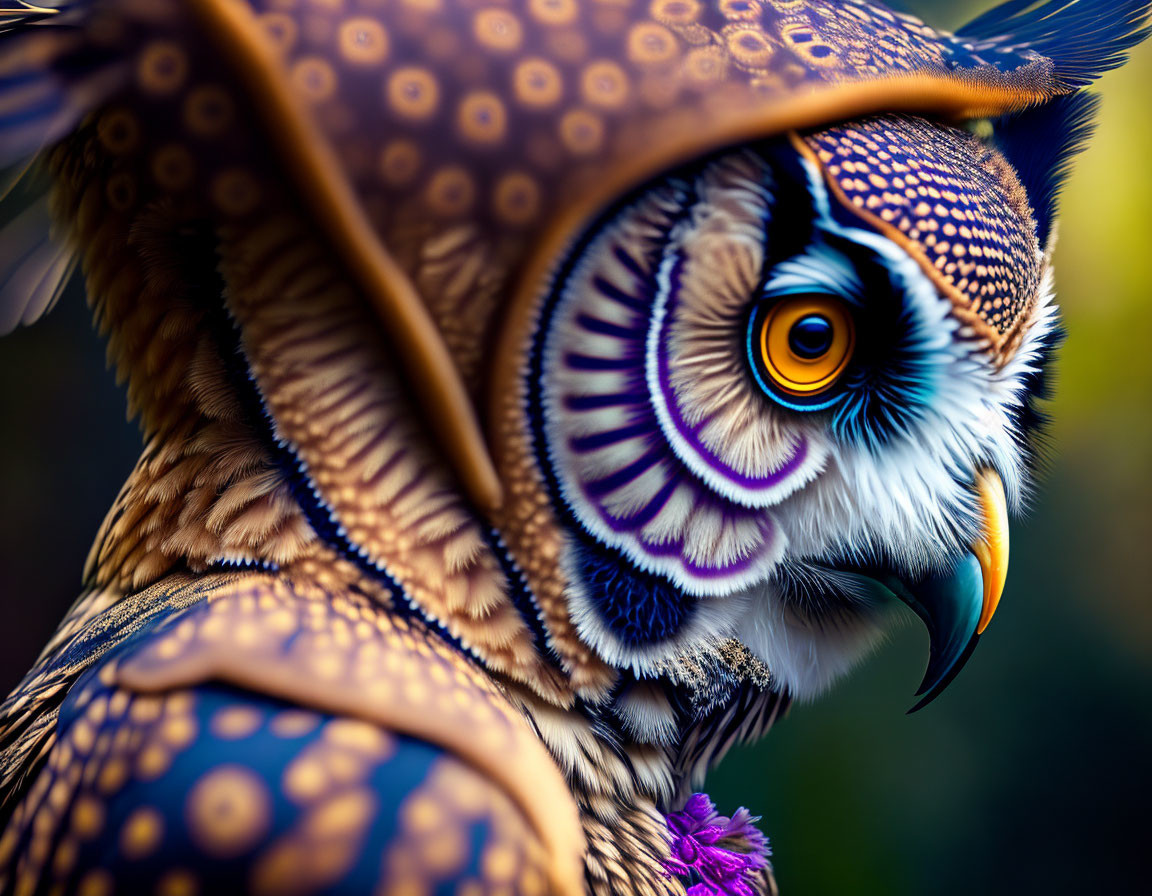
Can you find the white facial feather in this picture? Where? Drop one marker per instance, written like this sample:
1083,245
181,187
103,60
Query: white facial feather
805,655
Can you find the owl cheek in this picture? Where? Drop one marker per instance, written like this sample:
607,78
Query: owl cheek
620,482
640,502
715,423
629,458
632,617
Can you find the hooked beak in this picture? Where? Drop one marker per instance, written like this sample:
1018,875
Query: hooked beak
957,607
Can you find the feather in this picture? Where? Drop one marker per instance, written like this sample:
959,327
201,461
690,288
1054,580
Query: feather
1083,39
25,14
1041,143
50,76
34,268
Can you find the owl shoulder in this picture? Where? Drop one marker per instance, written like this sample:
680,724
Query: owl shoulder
260,742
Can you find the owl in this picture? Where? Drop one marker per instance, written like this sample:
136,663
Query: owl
537,396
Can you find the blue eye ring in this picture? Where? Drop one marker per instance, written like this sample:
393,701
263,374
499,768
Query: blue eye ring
798,348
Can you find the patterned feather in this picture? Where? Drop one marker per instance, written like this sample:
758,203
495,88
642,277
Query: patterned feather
327,240
50,78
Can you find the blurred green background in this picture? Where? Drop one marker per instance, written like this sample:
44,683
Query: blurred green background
1029,776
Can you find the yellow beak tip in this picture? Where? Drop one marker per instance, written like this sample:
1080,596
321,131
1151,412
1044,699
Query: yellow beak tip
991,549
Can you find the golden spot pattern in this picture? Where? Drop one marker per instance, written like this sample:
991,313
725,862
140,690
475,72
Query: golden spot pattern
740,10
121,191
236,722
162,68
173,167
675,12
575,84
338,777
281,29
363,41
517,198
400,162
651,44
537,83
228,811
482,117
582,131
314,78
953,202
178,882
142,833
413,93
432,848
235,191
118,130
604,84
451,191
554,12
208,111
498,30
705,65
749,47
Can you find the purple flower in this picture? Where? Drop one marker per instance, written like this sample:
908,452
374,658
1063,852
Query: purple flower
717,856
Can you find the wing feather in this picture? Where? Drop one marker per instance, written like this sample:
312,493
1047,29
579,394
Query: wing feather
1083,39
34,267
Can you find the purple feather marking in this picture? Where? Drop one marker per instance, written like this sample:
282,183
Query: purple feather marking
691,434
647,513
597,488
716,856
609,393
676,549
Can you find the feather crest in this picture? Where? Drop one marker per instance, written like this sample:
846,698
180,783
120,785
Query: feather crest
1082,38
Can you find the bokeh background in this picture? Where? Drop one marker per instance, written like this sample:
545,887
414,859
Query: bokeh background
1031,775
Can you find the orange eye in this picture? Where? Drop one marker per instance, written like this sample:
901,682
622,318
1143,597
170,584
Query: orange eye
804,343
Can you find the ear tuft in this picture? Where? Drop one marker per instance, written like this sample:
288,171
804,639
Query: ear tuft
1082,38
1040,143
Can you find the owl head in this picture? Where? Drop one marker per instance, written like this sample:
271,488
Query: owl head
781,388
616,338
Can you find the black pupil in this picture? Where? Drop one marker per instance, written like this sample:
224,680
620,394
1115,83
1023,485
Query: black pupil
811,336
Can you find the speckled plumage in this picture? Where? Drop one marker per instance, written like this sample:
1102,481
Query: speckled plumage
470,529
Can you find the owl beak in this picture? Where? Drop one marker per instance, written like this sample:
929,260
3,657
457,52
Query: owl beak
957,606
991,548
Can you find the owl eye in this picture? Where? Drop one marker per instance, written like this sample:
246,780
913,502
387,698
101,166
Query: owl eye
799,346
